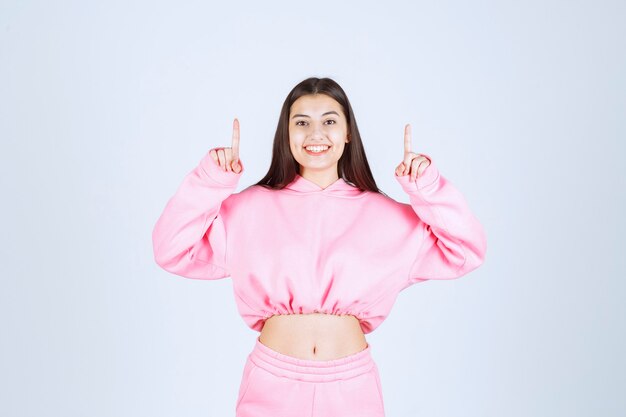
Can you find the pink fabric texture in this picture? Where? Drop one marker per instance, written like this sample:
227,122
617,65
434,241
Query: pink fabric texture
306,249
277,385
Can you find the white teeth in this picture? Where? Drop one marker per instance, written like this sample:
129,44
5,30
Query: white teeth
317,148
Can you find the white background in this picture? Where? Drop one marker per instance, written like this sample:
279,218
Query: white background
105,106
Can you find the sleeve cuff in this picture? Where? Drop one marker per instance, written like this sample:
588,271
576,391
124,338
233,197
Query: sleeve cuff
216,174
426,179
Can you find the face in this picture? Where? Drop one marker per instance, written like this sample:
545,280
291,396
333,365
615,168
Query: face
317,120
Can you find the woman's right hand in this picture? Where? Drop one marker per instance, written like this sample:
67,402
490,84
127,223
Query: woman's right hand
228,158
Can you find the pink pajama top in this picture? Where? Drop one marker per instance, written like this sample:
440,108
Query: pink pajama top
306,249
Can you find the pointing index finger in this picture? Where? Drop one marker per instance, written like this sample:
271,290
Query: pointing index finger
407,139
235,144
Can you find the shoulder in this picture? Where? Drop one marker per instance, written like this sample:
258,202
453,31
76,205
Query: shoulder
390,206
382,199
248,194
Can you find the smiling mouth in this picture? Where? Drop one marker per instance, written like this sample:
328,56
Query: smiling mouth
317,149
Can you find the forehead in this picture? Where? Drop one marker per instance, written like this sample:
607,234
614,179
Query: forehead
315,105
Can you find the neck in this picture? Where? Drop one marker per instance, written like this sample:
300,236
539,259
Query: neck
321,178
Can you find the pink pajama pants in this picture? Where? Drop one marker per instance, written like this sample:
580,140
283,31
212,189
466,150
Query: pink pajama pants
278,385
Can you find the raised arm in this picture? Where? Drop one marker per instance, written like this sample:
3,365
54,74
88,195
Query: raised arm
453,240
189,238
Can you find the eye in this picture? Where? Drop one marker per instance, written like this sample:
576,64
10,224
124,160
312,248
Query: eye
302,121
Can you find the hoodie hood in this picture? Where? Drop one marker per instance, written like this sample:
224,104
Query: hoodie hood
339,187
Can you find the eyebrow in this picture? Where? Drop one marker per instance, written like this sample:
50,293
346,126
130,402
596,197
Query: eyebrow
305,115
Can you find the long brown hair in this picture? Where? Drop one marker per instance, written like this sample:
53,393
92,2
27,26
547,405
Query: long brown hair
352,166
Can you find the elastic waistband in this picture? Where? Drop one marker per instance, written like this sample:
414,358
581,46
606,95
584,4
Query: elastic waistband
311,370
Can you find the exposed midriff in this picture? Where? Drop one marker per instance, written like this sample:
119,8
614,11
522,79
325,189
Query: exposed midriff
315,336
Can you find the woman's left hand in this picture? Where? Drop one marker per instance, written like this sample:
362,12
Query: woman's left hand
413,164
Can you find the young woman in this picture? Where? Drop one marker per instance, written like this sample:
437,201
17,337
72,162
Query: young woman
317,253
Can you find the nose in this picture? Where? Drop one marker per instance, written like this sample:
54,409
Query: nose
316,133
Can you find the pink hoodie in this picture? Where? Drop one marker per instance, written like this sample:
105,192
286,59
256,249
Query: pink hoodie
306,249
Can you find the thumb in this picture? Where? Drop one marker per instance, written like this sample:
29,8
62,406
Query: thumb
400,169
